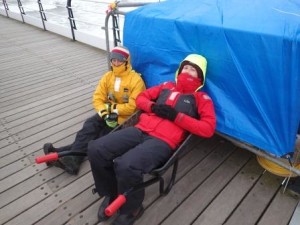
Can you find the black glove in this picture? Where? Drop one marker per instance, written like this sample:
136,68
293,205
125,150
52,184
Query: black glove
154,108
164,111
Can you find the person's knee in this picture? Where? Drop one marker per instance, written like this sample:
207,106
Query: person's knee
91,121
93,149
97,151
124,169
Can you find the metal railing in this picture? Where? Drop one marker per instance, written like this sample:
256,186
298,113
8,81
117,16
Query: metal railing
22,12
114,13
71,18
42,13
109,22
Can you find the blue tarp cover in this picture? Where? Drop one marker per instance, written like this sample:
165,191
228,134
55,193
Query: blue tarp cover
253,53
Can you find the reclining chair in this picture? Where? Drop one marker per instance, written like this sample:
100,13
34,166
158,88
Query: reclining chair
156,175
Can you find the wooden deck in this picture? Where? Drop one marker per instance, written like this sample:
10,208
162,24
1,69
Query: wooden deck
46,87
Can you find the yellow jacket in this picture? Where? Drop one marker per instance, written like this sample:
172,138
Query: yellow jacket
119,87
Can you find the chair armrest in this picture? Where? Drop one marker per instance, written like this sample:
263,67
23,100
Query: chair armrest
129,122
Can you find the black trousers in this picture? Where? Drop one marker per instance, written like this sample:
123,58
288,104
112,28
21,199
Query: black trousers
119,160
93,128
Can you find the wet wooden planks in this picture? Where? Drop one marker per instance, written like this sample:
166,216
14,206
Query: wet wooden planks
46,85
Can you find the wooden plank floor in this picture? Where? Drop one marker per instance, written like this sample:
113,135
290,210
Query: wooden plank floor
46,87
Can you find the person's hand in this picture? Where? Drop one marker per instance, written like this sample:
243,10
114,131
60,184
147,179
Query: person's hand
164,111
104,113
111,120
154,108
108,106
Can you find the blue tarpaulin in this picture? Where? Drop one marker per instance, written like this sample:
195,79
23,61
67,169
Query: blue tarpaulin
253,53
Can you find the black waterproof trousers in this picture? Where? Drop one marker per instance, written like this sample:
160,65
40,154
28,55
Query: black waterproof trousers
119,160
93,128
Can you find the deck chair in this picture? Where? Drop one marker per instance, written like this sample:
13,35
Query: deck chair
156,175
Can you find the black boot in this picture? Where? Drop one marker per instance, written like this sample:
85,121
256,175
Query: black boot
48,148
129,219
101,212
70,164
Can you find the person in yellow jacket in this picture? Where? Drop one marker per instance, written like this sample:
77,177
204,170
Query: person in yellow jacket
113,100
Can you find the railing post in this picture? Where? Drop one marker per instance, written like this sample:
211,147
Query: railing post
114,12
71,18
42,13
21,9
6,7
107,37
116,29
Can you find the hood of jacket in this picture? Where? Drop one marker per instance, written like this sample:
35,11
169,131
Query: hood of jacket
122,70
197,60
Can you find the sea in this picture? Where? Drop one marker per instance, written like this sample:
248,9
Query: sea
89,14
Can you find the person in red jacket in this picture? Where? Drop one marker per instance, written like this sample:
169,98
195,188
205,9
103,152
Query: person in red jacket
169,112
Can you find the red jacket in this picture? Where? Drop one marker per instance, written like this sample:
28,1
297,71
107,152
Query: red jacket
175,132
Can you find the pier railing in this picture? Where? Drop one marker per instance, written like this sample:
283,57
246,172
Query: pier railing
97,23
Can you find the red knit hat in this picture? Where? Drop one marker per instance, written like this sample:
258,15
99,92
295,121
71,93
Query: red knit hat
120,53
